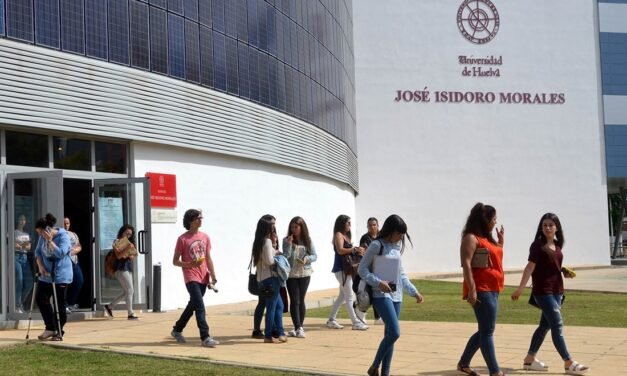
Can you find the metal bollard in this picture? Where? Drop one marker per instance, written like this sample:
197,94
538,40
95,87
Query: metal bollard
156,287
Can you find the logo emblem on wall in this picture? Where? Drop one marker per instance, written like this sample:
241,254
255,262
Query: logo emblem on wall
478,20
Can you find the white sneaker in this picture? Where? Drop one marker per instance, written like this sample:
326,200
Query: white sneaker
360,326
332,324
300,332
46,334
292,333
209,342
379,321
360,315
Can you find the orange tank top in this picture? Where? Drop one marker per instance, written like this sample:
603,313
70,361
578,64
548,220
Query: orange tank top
492,278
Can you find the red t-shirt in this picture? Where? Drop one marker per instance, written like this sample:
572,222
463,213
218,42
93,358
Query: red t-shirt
547,276
492,278
191,247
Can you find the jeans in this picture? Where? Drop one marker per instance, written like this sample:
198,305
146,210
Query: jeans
77,283
485,312
261,306
44,293
390,312
126,281
274,308
23,278
551,318
297,288
345,296
196,305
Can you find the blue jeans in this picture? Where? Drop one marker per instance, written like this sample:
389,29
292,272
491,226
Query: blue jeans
23,278
389,312
274,308
196,305
485,312
77,284
551,318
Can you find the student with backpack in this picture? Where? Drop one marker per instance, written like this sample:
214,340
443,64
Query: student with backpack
382,269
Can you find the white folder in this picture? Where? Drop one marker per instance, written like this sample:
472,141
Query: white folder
386,268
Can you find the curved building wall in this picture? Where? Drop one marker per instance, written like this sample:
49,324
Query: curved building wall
292,56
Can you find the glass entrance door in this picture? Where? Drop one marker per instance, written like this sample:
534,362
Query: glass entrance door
30,196
119,202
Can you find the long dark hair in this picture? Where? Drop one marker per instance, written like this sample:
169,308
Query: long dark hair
124,228
264,231
479,220
340,225
559,234
304,232
48,221
393,224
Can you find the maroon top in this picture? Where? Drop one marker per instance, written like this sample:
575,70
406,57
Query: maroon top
547,276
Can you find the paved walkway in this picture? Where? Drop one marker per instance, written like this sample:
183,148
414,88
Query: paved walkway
424,348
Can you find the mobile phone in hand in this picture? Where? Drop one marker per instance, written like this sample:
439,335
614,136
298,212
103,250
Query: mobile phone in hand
392,286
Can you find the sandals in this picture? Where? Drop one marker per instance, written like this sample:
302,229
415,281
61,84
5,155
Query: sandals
576,369
467,370
536,365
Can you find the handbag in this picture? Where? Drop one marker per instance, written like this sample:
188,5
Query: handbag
350,263
253,285
480,259
266,291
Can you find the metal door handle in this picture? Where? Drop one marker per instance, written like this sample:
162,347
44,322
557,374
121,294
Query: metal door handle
141,242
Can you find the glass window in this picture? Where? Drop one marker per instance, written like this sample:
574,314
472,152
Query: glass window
230,18
253,38
280,37
160,3
71,154
289,90
281,86
242,21
176,46
1,33
273,81
175,6
118,31
217,14
204,12
72,26
47,23
25,149
262,25
192,51
110,157
139,35
158,40
190,9
219,61
206,57
244,79
272,42
232,84
263,78
96,41
253,70
20,19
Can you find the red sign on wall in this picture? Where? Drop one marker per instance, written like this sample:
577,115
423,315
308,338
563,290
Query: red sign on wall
162,190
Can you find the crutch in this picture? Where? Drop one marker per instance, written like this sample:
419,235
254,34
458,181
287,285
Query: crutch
59,336
32,304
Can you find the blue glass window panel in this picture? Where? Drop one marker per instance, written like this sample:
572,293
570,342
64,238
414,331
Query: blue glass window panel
294,44
192,51
96,41
118,31
273,79
243,76
295,91
72,26
281,85
280,37
204,12
140,50
19,19
262,25
217,14
158,40
253,37
264,90
1,17
206,57
232,83
47,23
175,6
301,49
190,9
298,15
230,18
253,69
160,3
289,90
219,61
307,47
272,39
176,45
242,20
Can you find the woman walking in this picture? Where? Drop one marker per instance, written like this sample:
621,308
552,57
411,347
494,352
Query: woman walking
544,266
482,284
342,246
78,280
301,253
388,280
124,247
23,271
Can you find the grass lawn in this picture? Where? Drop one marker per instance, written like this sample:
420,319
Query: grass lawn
36,359
443,303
